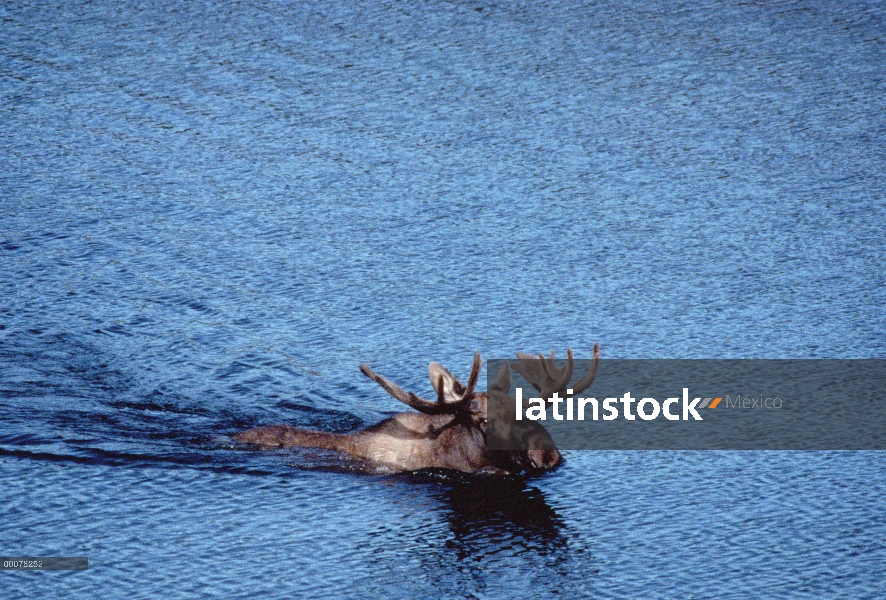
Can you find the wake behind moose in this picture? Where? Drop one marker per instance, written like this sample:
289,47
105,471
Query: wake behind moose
449,433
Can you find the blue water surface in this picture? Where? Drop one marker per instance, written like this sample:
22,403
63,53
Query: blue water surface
212,212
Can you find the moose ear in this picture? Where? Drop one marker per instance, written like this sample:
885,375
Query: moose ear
445,383
502,381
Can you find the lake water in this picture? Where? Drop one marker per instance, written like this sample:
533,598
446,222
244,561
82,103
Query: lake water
211,213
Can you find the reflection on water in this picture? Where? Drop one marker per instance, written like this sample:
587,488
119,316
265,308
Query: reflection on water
501,534
483,509
481,502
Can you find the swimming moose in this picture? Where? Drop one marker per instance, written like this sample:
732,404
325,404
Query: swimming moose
450,433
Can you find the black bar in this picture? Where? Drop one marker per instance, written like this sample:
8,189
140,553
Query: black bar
781,404
44,563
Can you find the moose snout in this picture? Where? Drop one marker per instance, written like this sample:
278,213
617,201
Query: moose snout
544,459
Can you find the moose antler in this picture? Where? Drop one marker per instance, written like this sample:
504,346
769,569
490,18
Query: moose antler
545,376
452,396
